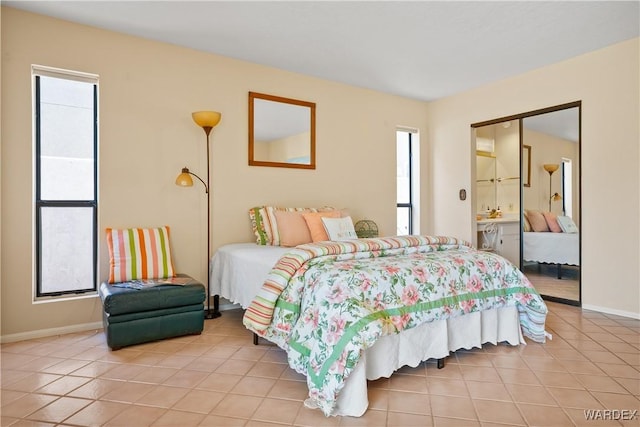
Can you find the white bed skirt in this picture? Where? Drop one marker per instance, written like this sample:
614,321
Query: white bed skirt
429,341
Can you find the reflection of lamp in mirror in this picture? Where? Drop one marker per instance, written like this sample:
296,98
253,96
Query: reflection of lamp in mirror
555,197
207,120
551,168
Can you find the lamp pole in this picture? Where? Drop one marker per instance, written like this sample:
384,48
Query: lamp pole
216,299
207,120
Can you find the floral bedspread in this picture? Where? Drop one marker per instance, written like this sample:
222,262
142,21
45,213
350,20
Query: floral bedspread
325,303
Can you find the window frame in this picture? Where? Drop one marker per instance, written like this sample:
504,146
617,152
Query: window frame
40,204
411,204
567,186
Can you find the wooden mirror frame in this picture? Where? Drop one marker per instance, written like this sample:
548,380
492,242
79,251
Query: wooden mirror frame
253,161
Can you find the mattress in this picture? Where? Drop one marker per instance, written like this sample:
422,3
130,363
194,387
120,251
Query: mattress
238,270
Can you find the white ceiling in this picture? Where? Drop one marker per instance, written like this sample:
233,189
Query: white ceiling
421,49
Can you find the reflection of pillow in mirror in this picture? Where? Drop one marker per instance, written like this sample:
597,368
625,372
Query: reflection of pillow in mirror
552,222
526,225
339,228
293,228
316,227
537,221
567,224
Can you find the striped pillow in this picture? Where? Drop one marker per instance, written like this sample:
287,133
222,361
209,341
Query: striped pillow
262,230
139,253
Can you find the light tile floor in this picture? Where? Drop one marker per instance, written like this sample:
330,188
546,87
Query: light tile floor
220,378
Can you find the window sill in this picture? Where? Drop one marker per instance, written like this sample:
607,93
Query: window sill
63,298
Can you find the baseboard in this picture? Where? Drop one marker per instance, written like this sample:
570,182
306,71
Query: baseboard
607,310
41,333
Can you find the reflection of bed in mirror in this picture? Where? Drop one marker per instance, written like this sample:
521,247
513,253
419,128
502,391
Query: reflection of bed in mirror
552,248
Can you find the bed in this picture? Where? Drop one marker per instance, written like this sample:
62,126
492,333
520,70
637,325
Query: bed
238,270
406,333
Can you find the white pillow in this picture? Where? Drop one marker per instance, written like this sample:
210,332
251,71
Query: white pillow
567,224
339,228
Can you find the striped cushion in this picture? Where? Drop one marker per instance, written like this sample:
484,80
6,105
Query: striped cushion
139,253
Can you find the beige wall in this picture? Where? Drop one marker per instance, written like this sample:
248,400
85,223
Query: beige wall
149,89
549,149
147,93
607,82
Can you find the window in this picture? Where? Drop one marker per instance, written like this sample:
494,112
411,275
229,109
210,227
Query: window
66,206
406,181
567,185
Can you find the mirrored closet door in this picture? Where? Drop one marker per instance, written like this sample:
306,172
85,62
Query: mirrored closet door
551,205
527,196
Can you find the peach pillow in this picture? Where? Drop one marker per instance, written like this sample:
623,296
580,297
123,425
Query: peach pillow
552,222
537,221
315,224
292,228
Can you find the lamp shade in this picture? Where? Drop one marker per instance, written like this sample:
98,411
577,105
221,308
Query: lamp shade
206,119
551,168
184,179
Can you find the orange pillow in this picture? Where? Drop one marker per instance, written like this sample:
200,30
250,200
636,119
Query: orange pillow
552,222
316,227
292,228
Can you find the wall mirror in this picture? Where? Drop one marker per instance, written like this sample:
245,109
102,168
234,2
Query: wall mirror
498,169
282,132
485,182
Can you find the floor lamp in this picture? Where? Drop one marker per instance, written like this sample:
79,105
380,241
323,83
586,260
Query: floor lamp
207,120
551,168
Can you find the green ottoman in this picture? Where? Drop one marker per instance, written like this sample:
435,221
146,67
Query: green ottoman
133,315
